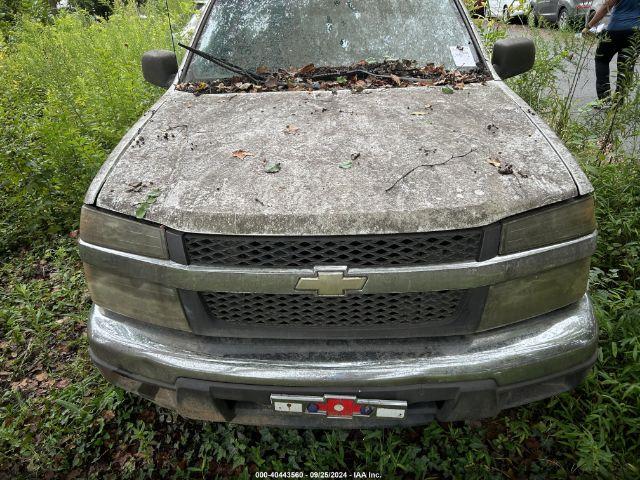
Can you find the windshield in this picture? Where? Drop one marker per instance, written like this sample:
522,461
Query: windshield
291,33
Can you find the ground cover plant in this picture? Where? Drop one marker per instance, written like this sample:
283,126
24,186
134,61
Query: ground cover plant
60,116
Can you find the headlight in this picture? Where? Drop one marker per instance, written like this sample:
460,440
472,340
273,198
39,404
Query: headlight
134,298
119,233
550,225
119,292
534,295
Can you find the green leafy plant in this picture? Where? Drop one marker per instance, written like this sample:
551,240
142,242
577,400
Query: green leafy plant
71,88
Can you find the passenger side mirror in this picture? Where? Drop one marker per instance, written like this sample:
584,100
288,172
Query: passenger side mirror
159,67
513,56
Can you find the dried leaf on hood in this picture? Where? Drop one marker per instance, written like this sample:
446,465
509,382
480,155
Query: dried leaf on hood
307,69
273,168
271,82
242,154
152,196
356,77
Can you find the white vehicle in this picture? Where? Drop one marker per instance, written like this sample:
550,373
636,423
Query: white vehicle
506,9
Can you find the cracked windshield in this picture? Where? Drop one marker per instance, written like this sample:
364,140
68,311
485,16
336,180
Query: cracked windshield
326,42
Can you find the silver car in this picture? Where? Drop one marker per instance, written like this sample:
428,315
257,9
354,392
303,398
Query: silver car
564,12
370,254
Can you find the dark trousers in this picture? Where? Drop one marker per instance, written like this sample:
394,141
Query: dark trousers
625,44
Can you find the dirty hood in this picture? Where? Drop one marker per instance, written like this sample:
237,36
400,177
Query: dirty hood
381,161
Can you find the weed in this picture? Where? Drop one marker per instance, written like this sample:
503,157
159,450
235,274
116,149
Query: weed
70,90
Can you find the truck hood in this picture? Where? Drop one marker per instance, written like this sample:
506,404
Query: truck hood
380,161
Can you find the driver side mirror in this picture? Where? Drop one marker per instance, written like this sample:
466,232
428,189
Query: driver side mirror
513,56
159,67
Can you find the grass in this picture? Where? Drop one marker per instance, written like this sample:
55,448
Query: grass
60,419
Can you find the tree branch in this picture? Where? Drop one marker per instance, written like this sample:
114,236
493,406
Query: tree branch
424,165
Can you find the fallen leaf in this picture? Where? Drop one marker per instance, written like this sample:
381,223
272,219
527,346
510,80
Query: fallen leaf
273,168
41,377
447,90
396,79
346,165
152,196
271,82
360,86
291,129
242,154
495,162
65,382
108,415
307,69
341,80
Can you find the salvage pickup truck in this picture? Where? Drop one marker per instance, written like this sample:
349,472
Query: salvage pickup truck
339,215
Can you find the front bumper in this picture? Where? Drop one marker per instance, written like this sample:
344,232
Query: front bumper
447,378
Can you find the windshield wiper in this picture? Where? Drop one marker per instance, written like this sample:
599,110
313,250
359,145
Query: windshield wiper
225,64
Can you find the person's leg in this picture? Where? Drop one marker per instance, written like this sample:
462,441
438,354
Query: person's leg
628,49
604,53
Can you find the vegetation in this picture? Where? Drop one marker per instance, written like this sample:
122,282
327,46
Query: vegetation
70,89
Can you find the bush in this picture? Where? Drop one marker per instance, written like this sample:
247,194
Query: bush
70,89
12,10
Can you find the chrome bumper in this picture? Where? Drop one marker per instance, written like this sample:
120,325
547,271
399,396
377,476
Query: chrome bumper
532,349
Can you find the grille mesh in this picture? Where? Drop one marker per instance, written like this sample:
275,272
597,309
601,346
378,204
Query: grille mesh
354,251
387,309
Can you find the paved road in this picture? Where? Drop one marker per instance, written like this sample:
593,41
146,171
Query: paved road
586,86
585,91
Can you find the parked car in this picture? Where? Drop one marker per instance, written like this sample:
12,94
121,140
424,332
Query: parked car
564,13
319,253
506,9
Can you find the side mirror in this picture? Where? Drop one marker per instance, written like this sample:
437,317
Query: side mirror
159,67
513,56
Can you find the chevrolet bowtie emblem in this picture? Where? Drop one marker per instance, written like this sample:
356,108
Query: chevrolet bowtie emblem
331,282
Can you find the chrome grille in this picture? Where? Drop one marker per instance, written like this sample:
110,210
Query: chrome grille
354,251
389,309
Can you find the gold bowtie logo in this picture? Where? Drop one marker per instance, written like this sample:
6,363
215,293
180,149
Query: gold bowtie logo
331,282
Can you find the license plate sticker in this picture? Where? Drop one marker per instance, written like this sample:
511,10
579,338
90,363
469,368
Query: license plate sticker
339,406
290,407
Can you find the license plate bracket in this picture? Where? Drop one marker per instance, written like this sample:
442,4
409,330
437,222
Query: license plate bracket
339,406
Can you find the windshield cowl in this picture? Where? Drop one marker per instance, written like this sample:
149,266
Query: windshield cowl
358,77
